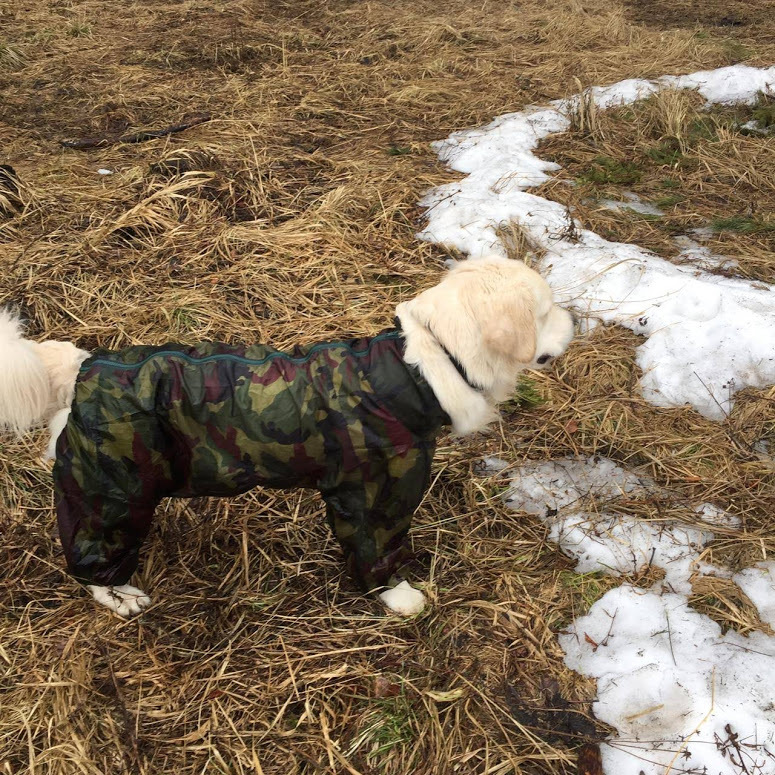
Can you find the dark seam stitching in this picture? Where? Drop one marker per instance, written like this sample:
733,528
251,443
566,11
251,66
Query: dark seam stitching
238,358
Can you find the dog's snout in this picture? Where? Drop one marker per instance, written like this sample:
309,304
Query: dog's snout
543,358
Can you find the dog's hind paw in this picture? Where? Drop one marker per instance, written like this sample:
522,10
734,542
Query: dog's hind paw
125,600
403,599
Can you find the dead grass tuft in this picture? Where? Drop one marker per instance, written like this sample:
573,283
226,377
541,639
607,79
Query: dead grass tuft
672,110
11,57
518,243
11,192
724,602
583,113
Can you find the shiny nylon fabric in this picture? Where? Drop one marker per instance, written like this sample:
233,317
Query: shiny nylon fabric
350,419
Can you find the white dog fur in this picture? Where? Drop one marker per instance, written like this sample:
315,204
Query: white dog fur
495,317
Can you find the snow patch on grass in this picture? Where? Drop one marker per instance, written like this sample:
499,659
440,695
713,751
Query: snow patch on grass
707,336
683,697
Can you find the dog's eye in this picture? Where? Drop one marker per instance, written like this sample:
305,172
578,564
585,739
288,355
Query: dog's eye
543,358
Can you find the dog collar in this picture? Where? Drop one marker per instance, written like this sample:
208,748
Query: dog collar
453,360
460,370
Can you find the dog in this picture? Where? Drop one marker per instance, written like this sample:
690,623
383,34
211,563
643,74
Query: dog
356,419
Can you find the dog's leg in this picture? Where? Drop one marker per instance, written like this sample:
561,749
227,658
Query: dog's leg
125,600
55,427
101,534
371,524
403,599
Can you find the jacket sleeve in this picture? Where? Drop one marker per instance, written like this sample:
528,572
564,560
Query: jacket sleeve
103,512
101,536
370,512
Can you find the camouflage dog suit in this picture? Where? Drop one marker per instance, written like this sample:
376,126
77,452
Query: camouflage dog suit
350,418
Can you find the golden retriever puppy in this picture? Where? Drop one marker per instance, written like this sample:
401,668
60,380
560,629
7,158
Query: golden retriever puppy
356,419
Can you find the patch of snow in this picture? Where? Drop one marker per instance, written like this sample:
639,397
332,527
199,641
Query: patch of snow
493,464
618,545
103,171
586,325
682,697
577,500
725,85
707,336
705,569
545,488
701,256
755,127
633,202
702,232
759,584
713,515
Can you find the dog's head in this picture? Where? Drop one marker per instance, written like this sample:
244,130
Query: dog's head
496,317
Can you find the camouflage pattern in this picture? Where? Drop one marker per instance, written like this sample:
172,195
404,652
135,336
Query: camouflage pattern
348,418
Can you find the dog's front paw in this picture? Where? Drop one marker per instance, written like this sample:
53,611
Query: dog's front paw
125,600
403,599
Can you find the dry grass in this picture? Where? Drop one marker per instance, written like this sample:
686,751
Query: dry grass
290,216
703,168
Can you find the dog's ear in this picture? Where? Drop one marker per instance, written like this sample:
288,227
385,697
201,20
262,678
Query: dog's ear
509,329
499,299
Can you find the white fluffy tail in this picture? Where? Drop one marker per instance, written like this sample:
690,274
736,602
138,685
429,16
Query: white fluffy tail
24,383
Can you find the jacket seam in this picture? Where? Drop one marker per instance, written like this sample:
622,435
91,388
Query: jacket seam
238,358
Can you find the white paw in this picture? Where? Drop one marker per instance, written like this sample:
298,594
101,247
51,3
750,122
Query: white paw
403,599
125,600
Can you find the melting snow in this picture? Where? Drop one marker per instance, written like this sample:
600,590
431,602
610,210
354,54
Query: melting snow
701,256
707,336
571,497
683,697
758,583
633,202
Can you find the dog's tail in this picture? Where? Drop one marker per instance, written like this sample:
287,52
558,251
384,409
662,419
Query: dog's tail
25,390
